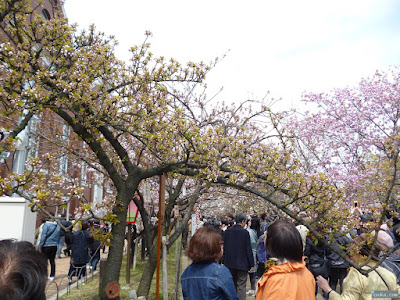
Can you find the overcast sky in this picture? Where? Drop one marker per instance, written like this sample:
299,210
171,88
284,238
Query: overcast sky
285,47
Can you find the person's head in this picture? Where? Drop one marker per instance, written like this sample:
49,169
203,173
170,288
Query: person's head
263,216
23,271
215,223
224,222
205,245
364,246
384,239
255,225
283,241
240,218
85,225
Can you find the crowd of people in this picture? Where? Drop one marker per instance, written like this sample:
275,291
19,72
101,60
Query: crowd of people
79,243
289,262
279,257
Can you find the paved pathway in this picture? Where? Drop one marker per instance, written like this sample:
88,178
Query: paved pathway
61,278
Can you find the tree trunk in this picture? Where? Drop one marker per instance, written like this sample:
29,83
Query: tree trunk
147,276
151,265
114,260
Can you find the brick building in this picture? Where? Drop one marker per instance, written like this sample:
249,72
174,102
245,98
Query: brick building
48,133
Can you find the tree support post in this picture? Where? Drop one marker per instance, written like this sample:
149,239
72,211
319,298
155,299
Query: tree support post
135,253
165,270
128,255
161,209
178,267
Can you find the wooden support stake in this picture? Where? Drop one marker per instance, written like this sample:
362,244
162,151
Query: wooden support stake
165,270
178,244
135,252
128,255
161,208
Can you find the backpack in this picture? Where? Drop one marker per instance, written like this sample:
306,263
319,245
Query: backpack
262,254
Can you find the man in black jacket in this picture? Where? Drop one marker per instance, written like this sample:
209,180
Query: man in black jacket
238,256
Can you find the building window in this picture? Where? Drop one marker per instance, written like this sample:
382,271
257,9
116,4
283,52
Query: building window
108,187
98,189
64,164
64,157
84,174
33,137
45,14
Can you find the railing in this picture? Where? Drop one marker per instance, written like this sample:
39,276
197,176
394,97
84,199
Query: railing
78,271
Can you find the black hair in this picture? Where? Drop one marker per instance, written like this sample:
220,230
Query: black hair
215,223
23,271
263,216
85,225
283,241
240,218
255,224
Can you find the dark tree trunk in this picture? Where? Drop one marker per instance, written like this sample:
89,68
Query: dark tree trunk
151,265
147,276
114,260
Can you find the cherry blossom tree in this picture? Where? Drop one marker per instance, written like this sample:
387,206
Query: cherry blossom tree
354,138
129,121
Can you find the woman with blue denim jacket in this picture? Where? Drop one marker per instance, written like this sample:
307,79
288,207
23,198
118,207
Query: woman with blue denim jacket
205,279
48,244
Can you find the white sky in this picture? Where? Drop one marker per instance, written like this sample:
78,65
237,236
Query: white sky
285,47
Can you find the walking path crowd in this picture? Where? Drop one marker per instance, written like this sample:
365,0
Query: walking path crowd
278,258
281,260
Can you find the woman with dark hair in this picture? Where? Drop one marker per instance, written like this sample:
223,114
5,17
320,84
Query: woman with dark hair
357,286
253,227
205,278
289,279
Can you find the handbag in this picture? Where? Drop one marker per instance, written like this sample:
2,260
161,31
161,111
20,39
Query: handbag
319,266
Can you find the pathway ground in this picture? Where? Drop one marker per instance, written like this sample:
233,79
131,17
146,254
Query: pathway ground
61,278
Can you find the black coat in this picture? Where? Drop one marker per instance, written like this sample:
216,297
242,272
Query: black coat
237,249
81,240
335,261
318,262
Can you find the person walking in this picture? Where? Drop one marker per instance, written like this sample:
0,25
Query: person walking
205,279
81,240
337,265
65,224
318,263
289,279
253,227
48,244
95,246
238,255
38,233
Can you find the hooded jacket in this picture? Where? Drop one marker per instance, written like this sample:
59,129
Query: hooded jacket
289,281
